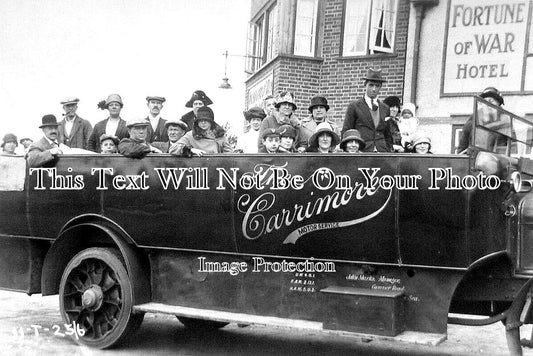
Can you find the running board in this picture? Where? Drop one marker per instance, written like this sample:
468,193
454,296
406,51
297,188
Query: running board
239,318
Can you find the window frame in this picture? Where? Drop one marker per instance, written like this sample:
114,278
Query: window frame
314,32
371,17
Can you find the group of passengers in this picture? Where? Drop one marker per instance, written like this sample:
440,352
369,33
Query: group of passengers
370,125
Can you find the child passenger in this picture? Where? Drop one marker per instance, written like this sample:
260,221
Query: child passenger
352,142
108,144
287,137
271,140
421,144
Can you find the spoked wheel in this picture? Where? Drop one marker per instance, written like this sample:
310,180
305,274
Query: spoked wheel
201,324
96,294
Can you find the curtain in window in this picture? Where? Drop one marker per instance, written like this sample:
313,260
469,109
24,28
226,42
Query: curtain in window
383,23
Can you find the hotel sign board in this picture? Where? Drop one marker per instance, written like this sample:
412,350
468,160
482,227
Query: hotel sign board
259,90
484,46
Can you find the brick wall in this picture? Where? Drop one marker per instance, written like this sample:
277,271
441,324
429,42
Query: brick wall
341,77
336,77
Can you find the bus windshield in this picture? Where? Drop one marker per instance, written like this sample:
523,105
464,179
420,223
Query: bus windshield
500,131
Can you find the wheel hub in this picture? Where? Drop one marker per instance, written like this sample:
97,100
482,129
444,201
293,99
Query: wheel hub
92,298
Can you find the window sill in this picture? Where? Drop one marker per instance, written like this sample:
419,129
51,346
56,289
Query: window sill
367,56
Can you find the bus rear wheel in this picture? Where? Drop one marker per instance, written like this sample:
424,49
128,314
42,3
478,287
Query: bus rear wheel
96,295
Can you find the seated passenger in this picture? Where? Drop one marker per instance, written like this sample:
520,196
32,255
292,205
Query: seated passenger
108,144
9,144
352,142
287,139
247,143
175,129
44,152
206,136
136,146
421,144
270,138
284,114
324,140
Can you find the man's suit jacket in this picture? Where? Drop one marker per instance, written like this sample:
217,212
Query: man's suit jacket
79,134
358,117
160,133
189,118
99,129
39,154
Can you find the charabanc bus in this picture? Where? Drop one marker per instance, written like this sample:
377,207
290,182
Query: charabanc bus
384,244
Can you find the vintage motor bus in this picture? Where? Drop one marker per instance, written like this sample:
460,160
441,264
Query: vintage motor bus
374,243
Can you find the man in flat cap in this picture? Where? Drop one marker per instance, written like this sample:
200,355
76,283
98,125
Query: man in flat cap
136,146
176,129
367,115
44,152
157,130
73,130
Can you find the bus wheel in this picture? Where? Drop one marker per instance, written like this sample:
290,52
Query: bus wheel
201,324
96,298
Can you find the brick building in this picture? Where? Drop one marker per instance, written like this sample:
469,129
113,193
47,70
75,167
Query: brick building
312,47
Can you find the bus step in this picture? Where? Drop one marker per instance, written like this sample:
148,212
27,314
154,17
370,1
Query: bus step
225,316
412,337
361,310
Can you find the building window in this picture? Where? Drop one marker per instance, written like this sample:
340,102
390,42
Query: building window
254,50
369,27
272,16
262,43
305,29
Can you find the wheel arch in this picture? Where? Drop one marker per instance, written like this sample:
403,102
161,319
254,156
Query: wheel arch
93,230
483,278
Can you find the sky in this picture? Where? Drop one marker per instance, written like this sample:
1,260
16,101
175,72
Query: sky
53,49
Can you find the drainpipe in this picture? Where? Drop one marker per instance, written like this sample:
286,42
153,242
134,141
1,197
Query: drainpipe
419,6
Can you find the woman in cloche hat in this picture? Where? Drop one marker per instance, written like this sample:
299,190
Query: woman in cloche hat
9,144
206,136
352,142
113,125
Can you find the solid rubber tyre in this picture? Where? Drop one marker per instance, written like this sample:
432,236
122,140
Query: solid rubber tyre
96,293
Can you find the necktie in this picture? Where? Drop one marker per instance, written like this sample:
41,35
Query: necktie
374,105
54,144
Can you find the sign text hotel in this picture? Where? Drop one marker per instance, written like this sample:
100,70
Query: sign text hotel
485,45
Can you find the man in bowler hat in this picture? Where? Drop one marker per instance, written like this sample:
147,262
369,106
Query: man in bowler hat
44,152
73,130
367,115
157,130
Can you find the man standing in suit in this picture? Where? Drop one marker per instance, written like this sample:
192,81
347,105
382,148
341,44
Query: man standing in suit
44,151
367,115
73,130
157,130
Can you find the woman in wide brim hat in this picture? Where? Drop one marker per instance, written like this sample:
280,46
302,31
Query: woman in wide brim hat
206,136
319,141
352,135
